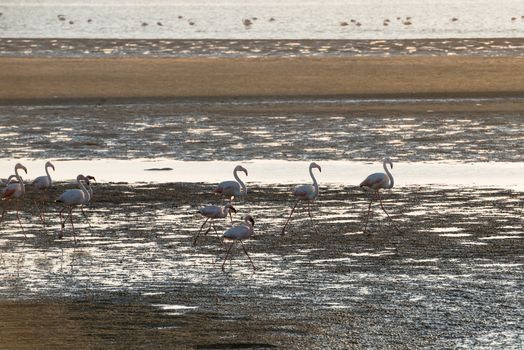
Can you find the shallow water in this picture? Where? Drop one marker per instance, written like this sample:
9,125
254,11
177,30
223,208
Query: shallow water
494,174
418,288
63,47
333,19
244,131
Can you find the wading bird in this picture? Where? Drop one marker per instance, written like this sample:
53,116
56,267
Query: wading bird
239,233
233,189
90,190
306,193
214,212
14,190
42,184
376,182
72,198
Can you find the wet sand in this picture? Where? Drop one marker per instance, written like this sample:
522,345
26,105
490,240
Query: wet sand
102,80
451,278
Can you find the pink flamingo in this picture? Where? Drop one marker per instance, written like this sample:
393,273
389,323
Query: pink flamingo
376,182
14,190
72,198
42,184
239,233
306,193
233,188
214,212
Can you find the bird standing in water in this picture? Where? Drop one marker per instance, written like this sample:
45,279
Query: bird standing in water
306,193
233,189
376,182
238,234
14,190
214,212
42,184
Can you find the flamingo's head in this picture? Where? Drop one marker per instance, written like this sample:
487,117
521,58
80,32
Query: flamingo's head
88,178
81,178
50,165
230,208
315,165
249,218
20,166
240,168
388,160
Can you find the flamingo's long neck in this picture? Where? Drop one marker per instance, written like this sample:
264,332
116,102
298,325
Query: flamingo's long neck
20,181
242,184
391,179
83,188
315,184
48,176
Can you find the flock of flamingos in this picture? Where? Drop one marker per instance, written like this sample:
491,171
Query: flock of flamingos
78,197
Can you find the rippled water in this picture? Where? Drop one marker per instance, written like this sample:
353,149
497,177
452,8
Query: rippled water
257,48
315,284
334,19
159,131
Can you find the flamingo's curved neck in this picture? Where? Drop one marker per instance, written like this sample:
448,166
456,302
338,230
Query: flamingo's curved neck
391,179
83,188
48,176
242,184
315,184
20,181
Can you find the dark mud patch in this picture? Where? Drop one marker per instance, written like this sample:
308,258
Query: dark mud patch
451,278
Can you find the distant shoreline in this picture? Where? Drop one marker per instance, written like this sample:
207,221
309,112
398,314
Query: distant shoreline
142,80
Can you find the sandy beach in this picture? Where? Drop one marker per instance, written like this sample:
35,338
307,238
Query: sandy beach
106,80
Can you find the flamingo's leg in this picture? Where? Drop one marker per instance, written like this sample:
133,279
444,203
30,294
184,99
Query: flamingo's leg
85,215
18,216
62,222
227,254
73,226
245,251
382,206
3,212
287,222
198,234
311,216
367,216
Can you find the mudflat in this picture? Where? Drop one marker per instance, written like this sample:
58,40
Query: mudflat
51,80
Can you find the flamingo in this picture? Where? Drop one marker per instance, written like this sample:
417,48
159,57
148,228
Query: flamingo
14,190
233,188
306,193
376,182
90,190
70,199
214,212
239,233
43,183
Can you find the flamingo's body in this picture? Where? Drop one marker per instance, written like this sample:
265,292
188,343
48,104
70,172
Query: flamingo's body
306,193
233,189
14,190
43,183
72,198
214,212
376,182
237,234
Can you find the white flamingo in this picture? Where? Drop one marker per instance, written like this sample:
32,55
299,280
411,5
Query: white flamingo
306,193
14,190
42,184
214,212
376,182
237,234
72,198
232,188
90,190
